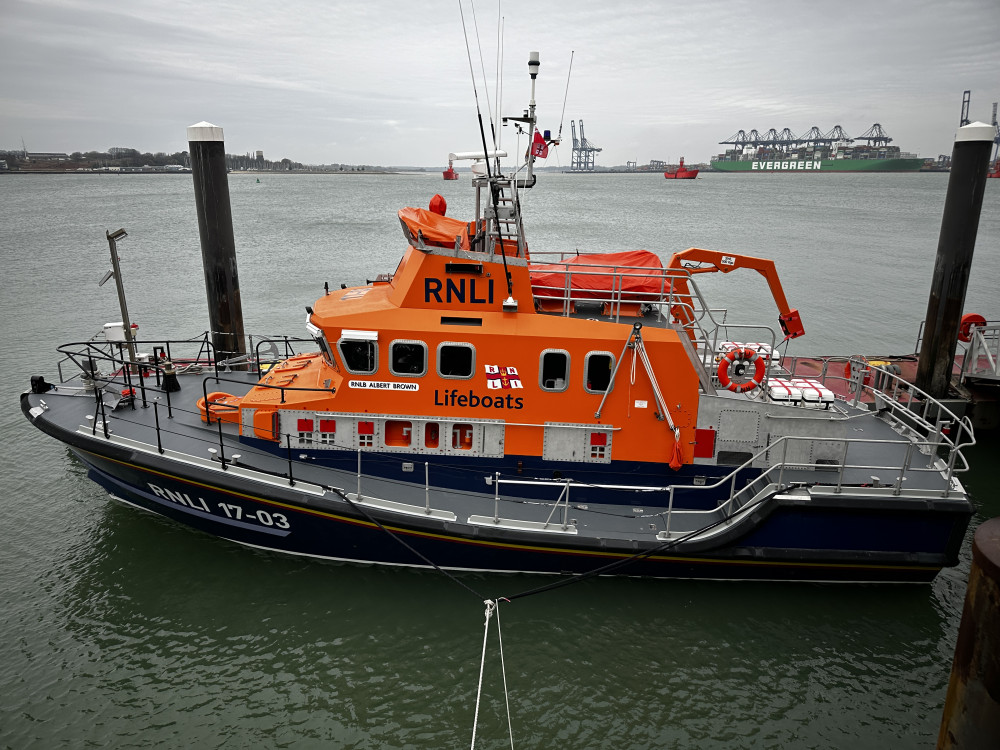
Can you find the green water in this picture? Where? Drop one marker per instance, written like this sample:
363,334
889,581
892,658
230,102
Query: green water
120,629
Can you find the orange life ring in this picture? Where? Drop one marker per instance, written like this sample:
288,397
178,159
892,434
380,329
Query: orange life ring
968,321
746,355
857,362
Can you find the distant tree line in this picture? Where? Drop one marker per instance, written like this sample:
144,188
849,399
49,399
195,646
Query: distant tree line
130,157
114,157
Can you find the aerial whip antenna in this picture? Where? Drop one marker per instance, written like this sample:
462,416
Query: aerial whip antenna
486,159
499,79
566,95
482,68
475,91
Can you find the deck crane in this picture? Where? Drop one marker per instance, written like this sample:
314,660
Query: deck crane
583,151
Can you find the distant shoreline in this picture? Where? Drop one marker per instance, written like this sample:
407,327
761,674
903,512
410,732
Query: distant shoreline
185,174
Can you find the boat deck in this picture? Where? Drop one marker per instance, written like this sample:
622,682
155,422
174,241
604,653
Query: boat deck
879,463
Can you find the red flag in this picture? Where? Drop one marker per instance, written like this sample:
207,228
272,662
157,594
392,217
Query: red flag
539,147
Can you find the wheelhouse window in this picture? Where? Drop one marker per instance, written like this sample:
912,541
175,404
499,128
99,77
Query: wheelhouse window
325,348
597,369
359,350
408,358
553,370
455,360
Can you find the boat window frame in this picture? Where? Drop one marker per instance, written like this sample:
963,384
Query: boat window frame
586,364
423,345
437,362
541,370
359,339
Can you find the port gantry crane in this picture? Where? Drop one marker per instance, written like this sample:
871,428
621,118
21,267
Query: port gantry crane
875,136
583,151
786,139
964,120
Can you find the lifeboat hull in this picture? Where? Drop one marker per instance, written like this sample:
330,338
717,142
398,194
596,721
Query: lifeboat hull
319,512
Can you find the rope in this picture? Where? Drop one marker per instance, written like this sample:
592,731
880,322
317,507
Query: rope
503,671
491,607
402,541
612,566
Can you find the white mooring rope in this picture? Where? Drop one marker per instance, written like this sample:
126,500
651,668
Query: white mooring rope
490,607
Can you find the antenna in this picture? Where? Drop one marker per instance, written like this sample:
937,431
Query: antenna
562,117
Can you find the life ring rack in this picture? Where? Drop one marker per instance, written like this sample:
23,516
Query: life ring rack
746,355
223,407
969,322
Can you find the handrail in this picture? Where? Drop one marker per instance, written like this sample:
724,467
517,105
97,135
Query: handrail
672,301
915,416
984,344
726,505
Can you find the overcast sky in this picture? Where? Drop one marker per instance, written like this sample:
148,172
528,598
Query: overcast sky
387,82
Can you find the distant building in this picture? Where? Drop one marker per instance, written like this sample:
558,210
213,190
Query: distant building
47,156
260,156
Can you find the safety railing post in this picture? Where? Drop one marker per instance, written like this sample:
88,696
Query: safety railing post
156,419
784,461
903,469
427,487
670,509
496,498
566,509
222,449
843,467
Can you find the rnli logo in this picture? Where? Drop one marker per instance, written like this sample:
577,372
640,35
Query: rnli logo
502,377
498,378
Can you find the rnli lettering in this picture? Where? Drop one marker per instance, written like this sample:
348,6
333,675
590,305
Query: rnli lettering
181,498
458,291
451,397
229,510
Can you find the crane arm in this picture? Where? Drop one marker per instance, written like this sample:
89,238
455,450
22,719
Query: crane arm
788,318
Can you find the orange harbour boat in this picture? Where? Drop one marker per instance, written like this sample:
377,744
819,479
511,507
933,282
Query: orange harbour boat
484,407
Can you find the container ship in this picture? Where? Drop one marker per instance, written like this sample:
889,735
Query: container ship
814,151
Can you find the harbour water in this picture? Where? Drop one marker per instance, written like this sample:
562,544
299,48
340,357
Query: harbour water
119,629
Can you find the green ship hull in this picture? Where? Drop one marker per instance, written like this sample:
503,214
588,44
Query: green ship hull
820,165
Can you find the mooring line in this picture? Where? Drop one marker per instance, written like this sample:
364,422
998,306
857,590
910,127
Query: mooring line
491,607
402,541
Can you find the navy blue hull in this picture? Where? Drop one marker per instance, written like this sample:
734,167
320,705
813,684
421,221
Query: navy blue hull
791,542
